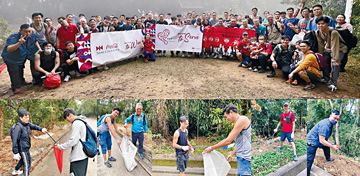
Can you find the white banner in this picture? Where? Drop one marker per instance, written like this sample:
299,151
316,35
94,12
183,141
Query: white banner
111,47
178,38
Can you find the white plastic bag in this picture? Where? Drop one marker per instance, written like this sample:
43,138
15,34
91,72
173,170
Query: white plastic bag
128,151
297,37
215,164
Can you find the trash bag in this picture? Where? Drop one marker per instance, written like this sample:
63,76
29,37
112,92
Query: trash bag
215,164
297,37
59,157
128,151
53,81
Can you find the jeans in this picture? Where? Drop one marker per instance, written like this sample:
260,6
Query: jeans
243,166
147,54
311,152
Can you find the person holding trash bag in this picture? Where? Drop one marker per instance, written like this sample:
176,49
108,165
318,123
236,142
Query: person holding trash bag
182,145
105,127
21,142
241,133
318,138
288,128
77,157
139,129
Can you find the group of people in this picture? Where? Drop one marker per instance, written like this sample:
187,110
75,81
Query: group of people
52,49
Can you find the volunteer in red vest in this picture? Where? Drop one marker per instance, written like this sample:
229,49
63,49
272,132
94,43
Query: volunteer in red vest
288,128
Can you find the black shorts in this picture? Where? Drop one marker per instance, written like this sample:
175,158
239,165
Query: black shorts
79,168
182,162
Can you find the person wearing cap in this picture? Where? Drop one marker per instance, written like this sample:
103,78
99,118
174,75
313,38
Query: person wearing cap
47,62
318,137
244,50
287,119
182,145
21,142
139,129
78,158
241,133
105,127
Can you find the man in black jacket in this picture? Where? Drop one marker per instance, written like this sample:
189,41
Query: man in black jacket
21,142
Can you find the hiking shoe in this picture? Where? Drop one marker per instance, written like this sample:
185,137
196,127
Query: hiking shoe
160,55
98,151
250,69
240,65
105,67
288,81
17,91
183,55
67,78
111,158
255,70
244,66
188,55
220,56
296,158
146,60
77,74
324,81
261,71
164,55
141,156
281,148
107,164
330,160
332,88
295,83
172,55
272,74
17,172
309,87
207,55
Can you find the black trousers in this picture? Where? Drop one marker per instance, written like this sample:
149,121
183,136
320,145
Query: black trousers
16,73
24,161
311,152
67,68
79,168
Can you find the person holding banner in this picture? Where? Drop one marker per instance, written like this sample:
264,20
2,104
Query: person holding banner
148,48
241,133
163,22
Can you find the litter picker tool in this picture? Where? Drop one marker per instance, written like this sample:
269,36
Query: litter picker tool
52,138
269,141
43,77
58,154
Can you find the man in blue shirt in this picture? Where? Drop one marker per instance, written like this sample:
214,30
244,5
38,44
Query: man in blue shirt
318,12
19,47
139,127
290,23
260,29
318,138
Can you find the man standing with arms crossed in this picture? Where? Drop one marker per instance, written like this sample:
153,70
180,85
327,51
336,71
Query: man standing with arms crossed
288,128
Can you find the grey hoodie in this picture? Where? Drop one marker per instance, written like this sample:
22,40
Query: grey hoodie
78,131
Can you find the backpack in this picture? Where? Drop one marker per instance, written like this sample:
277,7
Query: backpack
321,61
12,131
350,39
99,121
132,119
90,143
311,37
283,114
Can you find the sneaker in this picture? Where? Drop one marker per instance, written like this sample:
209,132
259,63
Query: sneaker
17,172
111,158
296,158
67,78
164,54
272,74
188,55
281,148
77,74
295,82
330,160
250,69
207,55
309,87
172,55
107,164
240,65
98,151
244,66
288,81
183,55
332,88
255,70
325,81
141,156
17,91
261,71
220,56
146,60
160,55
105,67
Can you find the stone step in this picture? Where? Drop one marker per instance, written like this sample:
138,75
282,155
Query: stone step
168,170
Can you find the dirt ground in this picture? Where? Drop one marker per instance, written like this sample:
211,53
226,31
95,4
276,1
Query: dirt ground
261,146
38,146
180,78
342,165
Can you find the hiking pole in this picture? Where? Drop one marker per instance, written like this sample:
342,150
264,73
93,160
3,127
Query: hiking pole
51,138
269,141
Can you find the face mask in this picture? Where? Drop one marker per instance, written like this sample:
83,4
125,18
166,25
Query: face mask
333,122
261,41
48,50
253,43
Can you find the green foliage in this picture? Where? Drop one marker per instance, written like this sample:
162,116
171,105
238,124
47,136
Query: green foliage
355,20
271,161
348,123
5,31
263,123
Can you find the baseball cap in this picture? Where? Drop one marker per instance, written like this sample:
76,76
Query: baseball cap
286,103
22,112
245,33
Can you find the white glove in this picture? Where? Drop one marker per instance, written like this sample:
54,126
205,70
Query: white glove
292,135
185,148
275,130
44,130
17,156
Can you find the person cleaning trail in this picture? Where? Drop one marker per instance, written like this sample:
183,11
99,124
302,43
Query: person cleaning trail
21,142
288,128
182,145
241,133
105,126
